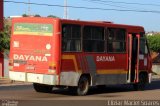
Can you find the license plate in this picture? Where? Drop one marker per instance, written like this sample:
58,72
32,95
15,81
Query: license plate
30,68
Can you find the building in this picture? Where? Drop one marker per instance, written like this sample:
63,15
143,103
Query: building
152,33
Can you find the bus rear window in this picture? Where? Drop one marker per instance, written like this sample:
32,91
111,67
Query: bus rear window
33,29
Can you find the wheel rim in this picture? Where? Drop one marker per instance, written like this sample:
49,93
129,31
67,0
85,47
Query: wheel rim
83,86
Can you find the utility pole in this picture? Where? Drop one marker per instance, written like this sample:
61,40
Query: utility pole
65,10
29,8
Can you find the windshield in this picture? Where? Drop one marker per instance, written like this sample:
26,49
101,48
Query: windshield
33,29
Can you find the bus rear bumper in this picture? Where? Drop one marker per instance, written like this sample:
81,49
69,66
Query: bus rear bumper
34,78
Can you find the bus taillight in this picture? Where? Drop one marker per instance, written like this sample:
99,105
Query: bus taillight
52,68
10,64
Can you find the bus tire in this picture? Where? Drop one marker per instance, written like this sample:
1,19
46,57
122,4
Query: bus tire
83,86
142,82
101,87
42,88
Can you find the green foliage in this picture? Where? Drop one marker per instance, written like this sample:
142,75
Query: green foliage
37,15
24,15
154,42
4,41
5,36
52,16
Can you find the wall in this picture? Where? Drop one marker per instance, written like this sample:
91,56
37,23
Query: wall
156,68
1,65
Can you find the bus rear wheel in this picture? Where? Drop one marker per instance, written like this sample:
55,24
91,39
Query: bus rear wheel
83,86
142,83
42,88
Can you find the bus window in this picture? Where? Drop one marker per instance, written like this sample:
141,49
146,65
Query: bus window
71,38
116,40
143,46
93,39
33,29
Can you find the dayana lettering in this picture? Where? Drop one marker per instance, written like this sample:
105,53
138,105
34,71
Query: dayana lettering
105,58
30,57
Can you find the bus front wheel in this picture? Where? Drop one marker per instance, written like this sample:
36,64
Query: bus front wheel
42,88
142,82
83,86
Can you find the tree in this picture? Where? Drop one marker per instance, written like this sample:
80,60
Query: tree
5,36
52,16
24,15
154,42
37,15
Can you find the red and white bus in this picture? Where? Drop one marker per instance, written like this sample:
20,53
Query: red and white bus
78,54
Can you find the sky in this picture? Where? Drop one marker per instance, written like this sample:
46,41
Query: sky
149,20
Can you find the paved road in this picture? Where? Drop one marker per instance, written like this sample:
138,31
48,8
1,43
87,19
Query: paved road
25,94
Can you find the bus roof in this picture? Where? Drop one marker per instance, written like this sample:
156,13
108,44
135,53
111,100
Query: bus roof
104,23
130,28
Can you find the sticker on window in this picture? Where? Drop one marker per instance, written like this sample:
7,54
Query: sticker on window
33,29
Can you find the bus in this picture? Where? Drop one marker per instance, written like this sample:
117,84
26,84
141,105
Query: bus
53,52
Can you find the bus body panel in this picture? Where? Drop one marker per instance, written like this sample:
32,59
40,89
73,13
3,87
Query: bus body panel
100,66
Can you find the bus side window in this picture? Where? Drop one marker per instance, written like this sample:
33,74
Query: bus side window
93,39
71,38
143,46
116,42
